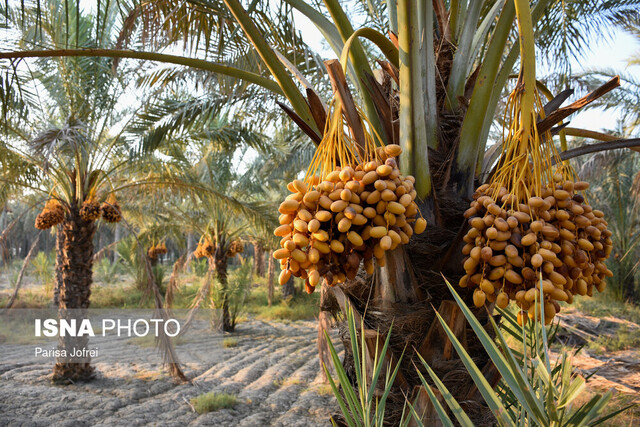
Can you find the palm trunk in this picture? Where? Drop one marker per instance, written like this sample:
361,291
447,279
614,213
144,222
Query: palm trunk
75,290
116,238
270,278
190,244
58,270
288,289
220,261
152,261
4,251
259,260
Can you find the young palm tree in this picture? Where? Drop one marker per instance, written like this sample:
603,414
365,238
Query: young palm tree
217,202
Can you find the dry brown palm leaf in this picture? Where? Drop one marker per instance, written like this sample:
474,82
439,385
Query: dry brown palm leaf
342,92
25,263
201,296
560,114
301,123
163,341
318,108
98,255
383,107
173,280
599,136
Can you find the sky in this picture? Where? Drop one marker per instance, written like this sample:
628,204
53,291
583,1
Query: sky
612,52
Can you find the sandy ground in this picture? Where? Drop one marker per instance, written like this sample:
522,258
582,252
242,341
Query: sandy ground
273,370
619,370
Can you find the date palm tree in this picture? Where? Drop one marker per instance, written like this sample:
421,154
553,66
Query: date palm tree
212,196
616,172
451,62
64,141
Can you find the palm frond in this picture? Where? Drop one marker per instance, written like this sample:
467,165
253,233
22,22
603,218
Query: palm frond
625,100
568,28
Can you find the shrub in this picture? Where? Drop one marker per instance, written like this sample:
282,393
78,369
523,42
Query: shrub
106,271
43,270
229,342
212,401
200,266
237,291
532,391
132,262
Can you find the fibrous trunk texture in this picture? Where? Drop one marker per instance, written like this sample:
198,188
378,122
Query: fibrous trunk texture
288,289
258,259
58,269
220,261
75,290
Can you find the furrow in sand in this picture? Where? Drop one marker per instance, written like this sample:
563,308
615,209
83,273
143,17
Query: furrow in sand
257,368
306,400
312,407
273,376
226,367
232,366
281,399
268,369
242,362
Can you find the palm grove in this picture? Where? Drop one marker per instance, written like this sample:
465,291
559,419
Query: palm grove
439,87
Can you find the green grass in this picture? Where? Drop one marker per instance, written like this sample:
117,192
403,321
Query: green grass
606,304
126,295
230,342
302,307
290,313
630,417
323,389
27,298
122,296
211,401
624,338
20,331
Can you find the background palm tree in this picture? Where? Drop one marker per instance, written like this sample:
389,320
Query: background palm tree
68,128
617,191
218,201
